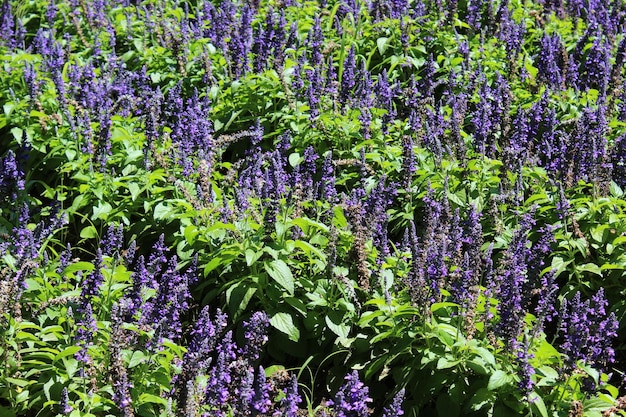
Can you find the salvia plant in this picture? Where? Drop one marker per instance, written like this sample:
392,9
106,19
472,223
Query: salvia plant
312,208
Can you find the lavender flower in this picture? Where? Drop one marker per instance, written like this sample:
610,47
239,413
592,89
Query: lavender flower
91,284
113,240
314,91
255,335
509,284
244,392
31,78
526,370
315,43
261,402
550,62
87,328
7,25
65,259
291,400
352,398
385,94
596,68
12,178
217,391
64,403
204,338
240,43
51,13
618,160
587,331
395,408
474,13
348,80
327,191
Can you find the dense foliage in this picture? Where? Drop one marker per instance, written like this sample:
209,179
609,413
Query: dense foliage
301,207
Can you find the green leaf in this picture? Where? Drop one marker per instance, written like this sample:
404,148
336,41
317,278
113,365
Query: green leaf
161,211
70,154
19,382
252,256
151,399
381,44
592,372
69,351
71,366
280,272
498,379
102,211
616,190
78,266
538,406
134,190
237,297
486,355
437,306
444,363
590,267
481,399
17,134
284,323
295,159
340,329
88,232
549,376
596,404
190,233
305,224
136,358
546,351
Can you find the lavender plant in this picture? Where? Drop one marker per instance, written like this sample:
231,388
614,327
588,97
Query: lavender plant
199,202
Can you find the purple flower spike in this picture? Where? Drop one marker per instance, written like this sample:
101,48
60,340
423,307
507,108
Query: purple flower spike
587,331
255,335
292,399
261,401
352,398
395,408
64,403
348,80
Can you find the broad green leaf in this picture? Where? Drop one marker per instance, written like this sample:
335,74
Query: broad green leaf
590,267
284,323
486,355
134,190
68,351
538,406
151,399
382,44
79,266
190,233
481,399
445,363
161,211
88,232
340,329
280,272
136,358
102,211
237,297
498,379
252,256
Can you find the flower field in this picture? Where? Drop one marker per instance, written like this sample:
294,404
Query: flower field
312,208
